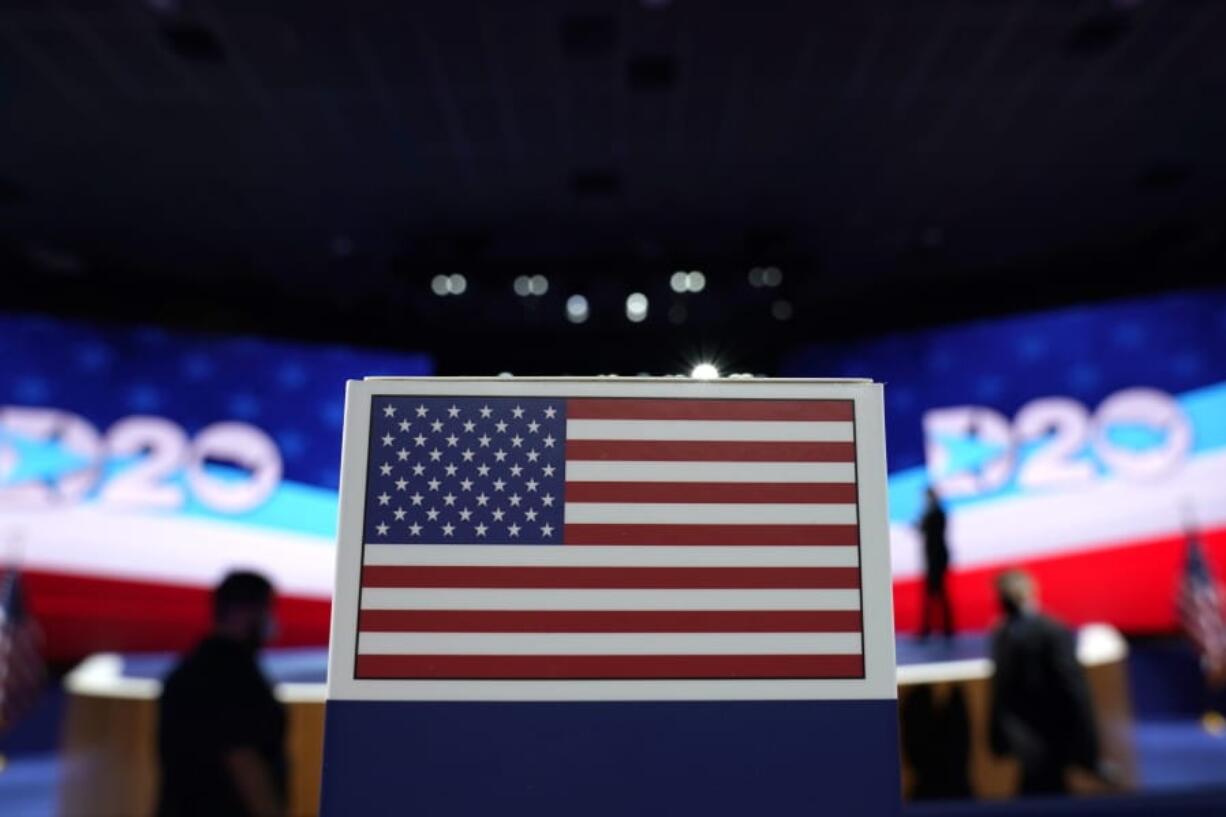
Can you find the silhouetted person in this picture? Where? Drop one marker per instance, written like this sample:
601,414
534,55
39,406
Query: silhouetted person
937,742
936,563
1041,711
221,733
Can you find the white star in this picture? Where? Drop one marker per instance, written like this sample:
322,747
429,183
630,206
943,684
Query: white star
389,411
546,529
388,439
547,500
530,515
449,499
382,529
517,441
549,469
484,439
533,455
454,411
513,529
549,412
498,513
448,529
514,499
501,426
468,455
384,498
437,426
549,441
416,498
405,425
452,440
399,514
421,411
469,426
516,470
482,499
402,454
480,529
432,514
465,514
401,484
534,426
466,484
435,455
500,455
531,484
419,469
420,439
450,469
415,529
434,483
483,470
499,485
385,469
517,412
485,412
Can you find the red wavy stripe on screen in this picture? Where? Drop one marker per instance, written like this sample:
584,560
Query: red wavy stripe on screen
709,451
810,578
747,535
609,621
712,492
672,409
609,666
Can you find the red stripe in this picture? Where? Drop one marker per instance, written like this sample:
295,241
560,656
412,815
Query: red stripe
610,666
695,492
810,578
609,621
709,450
749,535
673,409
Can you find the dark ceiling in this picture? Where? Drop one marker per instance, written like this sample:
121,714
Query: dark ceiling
305,168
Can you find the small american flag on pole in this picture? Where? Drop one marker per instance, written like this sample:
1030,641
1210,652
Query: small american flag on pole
22,671
610,538
1200,608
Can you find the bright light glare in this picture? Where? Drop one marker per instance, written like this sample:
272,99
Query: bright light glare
538,284
440,285
636,307
576,309
523,286
679,282
456,284
705,371
696,281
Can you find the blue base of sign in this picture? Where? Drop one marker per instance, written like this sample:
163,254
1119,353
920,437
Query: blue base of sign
706,758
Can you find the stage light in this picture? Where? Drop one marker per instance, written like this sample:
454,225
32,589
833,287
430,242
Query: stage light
440,284
456,284
705,371
636,307
755,277
538,285
576,309
523,286
772,276
781,310
696,281
679,282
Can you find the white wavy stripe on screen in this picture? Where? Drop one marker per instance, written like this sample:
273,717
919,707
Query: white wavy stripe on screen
170,549
609,643
1103,514
723,513
654,471
408,555
724,430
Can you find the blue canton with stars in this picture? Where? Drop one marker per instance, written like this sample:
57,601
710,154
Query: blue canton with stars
466,471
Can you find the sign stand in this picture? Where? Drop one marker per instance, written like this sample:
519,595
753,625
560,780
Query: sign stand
612,597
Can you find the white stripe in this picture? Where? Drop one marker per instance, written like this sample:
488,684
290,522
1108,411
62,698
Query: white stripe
609,643
609,556
641,471
415,598
741,430
716,513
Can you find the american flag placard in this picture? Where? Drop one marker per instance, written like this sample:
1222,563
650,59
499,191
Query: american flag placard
621,537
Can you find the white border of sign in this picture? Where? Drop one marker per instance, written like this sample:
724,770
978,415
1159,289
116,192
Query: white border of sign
877,603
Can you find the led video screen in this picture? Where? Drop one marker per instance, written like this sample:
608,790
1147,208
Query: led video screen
1082,444
137,465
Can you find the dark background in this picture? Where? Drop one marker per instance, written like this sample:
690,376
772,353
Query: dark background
305,168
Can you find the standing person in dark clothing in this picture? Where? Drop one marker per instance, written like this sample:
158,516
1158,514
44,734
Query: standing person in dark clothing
221,733
936,563
1040,711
